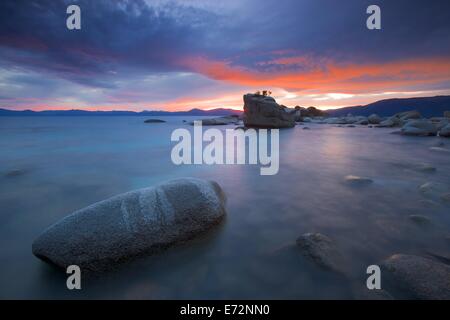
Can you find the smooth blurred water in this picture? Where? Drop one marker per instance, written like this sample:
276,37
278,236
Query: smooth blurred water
68,163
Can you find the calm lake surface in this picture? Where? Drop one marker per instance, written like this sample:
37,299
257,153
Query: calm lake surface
68,163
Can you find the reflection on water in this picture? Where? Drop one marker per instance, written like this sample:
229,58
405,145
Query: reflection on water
66,163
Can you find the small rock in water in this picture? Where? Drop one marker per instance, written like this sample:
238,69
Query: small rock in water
423,278
321,250
351,126
419,219
433,189
143,221
306,128
15,173
154,121
429,203
357,181
425,168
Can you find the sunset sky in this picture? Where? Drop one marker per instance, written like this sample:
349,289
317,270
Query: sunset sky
183,54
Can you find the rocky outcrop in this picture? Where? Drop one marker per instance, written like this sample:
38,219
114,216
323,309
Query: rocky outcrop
264,112
422,278
447,114
419,128
139,222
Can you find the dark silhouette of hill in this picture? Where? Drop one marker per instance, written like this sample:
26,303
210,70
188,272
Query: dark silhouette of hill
427,106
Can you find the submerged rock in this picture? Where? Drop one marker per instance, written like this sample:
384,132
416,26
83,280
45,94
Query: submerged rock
429,203
139,222
440,149
321,250
357,181
423,278
420,220
154,121
433,189
15,173
264,112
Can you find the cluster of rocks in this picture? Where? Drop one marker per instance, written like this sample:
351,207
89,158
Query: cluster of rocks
144,221
264,112
411,123
418,277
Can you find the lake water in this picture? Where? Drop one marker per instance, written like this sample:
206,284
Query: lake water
68,163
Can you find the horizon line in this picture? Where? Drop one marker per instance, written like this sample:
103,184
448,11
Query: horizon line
209,109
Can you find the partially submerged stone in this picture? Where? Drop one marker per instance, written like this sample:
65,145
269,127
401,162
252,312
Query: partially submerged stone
433,189
420,219
422,278
154,121
139,222
357,181
322,250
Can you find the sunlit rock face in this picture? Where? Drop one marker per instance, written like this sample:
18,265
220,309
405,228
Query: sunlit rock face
264,112
143,221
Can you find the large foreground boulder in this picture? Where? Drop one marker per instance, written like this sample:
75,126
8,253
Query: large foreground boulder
139,222
423,278
263,112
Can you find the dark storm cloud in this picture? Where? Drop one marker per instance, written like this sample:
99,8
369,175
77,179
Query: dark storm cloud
123,41
154,35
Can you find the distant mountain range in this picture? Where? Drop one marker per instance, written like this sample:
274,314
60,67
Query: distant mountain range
47,113
427,106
